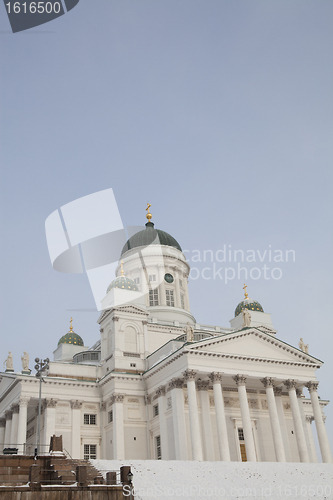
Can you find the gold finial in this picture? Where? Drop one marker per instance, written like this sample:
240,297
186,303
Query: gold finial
121,267
149,215
246,294
71,328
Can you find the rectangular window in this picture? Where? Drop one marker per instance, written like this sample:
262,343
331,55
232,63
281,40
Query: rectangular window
182,301
153,297
158,448
155,410
152,277
90,451
170,301
240,434
89,419
110,416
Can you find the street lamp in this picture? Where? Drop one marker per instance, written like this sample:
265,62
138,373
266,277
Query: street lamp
41,366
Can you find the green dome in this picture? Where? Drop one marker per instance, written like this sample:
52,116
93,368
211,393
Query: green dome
124,283
250,304
150,236
71,338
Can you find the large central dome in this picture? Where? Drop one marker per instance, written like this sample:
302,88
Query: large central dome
150,236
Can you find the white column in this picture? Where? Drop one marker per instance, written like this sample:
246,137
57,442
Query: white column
178,418
104,422
2,433
206,422
49,422
300,397
282,420
8,415
76,428
22,425
274,419
163,423
177,289
299,431
325,450
246,420
13,431
222,433
189,376
118,427
309,420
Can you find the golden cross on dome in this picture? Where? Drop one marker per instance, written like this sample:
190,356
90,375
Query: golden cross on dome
121,267
71,328
149,215
246,294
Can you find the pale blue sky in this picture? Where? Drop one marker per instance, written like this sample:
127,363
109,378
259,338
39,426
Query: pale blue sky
218,113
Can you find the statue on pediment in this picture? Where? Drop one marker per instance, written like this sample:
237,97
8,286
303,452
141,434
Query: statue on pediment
246,317
303,347
9,362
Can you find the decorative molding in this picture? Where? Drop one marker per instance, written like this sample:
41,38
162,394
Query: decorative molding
215,377
253,404
133,400
286,405
309,419
148,400
211,401
231,402
50,403
290,384
264,404
267,382
189,375
144,322
169,403
240,380
160,391
76,404
203,385
115,318
299,393
312,386
102,405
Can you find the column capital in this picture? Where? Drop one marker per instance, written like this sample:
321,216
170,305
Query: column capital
299,392
290,384
176,383
267,382
203,385
8,415
312,386
76,404
189,375
50,403
240,380
160,391
144,322
277,391
215,377
115,318
15,408
23,401
102,405
2,422
117,398
309,418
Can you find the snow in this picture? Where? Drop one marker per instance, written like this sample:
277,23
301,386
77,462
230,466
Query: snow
153,479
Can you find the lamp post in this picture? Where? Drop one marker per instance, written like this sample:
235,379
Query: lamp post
41,366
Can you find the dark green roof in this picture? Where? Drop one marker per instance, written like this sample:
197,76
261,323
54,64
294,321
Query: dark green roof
150,236
71,338
250,304
124,283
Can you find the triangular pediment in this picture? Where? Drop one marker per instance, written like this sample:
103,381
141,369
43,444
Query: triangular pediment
132,309
253,344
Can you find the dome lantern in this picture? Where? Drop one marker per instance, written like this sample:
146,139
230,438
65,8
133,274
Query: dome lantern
247,303
71,337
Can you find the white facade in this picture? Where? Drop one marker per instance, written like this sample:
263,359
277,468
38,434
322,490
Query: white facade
159,385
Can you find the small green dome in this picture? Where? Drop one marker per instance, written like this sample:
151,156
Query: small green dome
71,338
123,283
250,304
150,236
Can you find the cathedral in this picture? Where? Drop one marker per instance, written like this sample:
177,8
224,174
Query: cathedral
159,385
